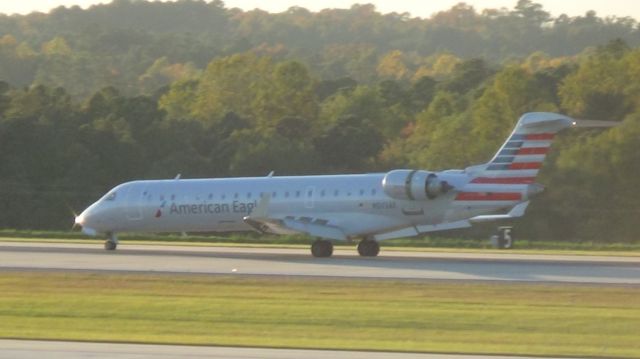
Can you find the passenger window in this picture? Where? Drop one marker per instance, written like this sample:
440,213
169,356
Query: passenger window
235,195
286,195
274,194
336,192
361,192
249,195
373,191
210,195
297,193
322,193
223,196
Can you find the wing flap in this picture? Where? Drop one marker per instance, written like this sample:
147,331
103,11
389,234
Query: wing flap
261,221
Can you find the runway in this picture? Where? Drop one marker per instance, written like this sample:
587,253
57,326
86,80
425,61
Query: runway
33,349
298,262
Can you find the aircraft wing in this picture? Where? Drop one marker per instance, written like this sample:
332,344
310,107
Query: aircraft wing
261,221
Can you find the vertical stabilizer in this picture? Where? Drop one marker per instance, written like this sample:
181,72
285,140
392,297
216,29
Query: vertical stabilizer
521,156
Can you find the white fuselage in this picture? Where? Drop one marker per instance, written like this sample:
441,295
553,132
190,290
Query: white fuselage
355,203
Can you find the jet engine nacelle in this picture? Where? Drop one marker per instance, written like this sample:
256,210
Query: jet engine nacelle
413,185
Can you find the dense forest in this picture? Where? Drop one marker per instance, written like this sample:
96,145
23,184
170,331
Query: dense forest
135,89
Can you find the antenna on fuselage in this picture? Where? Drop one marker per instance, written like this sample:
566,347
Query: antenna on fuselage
178,176
271,174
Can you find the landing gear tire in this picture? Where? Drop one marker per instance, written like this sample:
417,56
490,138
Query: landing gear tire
368,248
322,248
111,243
110,246
503,239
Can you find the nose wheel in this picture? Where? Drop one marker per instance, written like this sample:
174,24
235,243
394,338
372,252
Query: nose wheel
322,248
368,247
111,243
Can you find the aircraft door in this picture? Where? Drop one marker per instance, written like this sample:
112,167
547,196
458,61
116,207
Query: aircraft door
309,195
134,202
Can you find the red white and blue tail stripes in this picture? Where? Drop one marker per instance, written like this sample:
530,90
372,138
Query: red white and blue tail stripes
509,177
518,161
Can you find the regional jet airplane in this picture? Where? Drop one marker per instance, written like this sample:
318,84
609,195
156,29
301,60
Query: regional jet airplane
369,207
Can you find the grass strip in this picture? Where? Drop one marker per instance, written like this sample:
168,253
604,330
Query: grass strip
524,319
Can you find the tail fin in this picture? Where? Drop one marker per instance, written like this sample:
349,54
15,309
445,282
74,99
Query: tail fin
521,156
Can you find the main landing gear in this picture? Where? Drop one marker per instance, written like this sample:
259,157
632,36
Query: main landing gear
503,239
322,248
111,243
368,247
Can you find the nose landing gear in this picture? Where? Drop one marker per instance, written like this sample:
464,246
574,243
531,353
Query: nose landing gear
111,243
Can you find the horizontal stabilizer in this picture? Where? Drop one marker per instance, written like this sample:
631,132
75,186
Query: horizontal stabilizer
595,124
417,230
517,211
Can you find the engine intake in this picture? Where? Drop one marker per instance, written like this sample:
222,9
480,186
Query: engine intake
414,185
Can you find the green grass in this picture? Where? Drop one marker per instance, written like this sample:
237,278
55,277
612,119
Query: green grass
522,319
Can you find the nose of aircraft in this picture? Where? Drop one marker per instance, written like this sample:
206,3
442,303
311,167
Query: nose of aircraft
79,220
84,221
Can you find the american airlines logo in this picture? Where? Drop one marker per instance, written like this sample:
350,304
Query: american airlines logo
209,208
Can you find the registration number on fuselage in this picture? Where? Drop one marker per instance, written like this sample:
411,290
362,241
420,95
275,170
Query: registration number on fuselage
383,205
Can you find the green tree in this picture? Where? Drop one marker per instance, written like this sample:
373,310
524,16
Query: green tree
604,87
233,83
349,144
180,101
466,76
513,91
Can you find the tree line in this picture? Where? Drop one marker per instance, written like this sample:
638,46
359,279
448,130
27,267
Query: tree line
246,111
140,46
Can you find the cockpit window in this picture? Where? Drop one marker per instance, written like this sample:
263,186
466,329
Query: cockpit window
110,197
